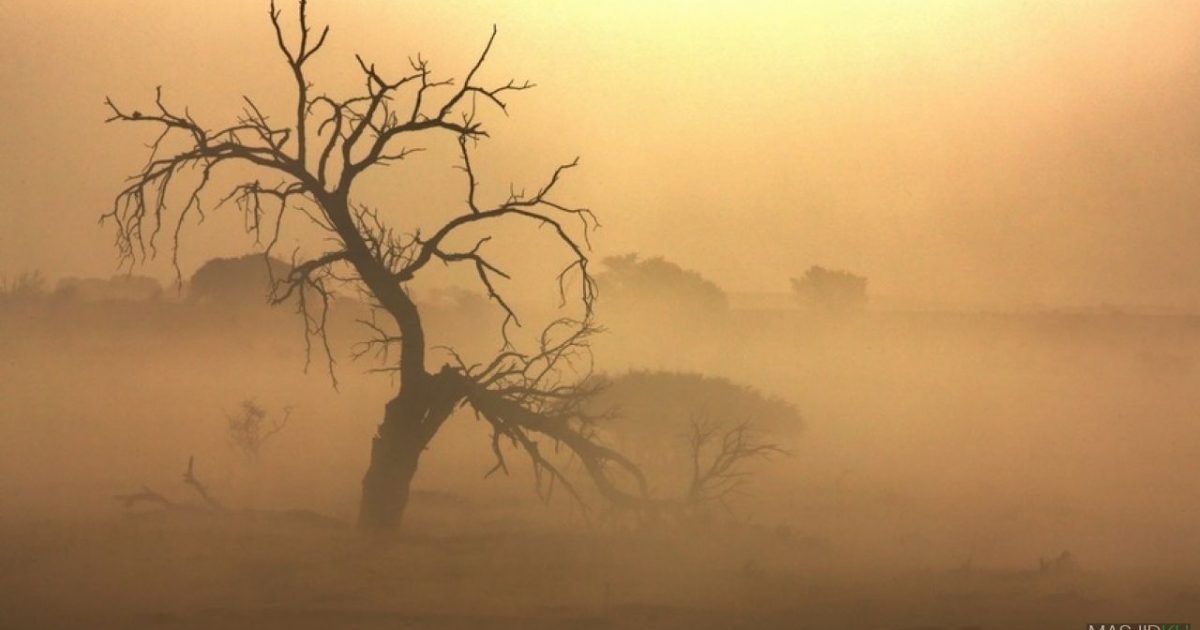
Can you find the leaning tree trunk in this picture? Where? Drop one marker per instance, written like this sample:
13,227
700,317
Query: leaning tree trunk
410,421
395,452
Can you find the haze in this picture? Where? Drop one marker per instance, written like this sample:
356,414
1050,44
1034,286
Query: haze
891,319
982,153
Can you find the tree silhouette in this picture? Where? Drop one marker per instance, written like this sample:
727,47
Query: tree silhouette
830,289
315,159
640,284
250,428
235,281
725,427
655,404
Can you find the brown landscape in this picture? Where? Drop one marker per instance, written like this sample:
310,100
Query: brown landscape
854,317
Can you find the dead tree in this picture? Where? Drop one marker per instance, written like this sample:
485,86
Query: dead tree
145,496
250,429
151,497
718,456
305,168
189,477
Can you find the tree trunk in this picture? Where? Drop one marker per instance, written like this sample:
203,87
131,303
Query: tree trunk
410,421
395,452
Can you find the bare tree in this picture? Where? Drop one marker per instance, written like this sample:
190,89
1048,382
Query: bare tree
311,161
250,428
718,455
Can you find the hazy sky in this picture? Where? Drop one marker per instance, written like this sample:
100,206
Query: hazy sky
959,152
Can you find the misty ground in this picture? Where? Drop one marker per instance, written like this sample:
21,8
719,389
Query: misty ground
946,464
255,573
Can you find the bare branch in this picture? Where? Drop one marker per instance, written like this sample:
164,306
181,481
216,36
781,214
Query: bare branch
726,451
144,199
145,496
303,280
190,479
296,60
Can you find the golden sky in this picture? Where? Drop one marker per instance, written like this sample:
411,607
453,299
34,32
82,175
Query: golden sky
999,153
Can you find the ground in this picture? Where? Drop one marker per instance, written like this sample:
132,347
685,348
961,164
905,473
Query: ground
969,470
298,570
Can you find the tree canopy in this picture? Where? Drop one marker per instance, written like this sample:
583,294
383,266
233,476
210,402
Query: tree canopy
830,289
630,282
236,281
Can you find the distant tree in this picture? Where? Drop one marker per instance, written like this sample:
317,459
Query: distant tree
250,428
717,428
830,289
719,453
26,286
630,282
238,281
658,403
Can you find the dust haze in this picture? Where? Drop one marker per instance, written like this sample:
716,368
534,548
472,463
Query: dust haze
805,315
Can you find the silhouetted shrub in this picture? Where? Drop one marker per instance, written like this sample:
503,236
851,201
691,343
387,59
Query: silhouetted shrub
664,403
27,285
236,281
696,436
635,286
250,429
830,289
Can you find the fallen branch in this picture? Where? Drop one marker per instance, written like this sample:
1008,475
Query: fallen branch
145,496
190,479
149,496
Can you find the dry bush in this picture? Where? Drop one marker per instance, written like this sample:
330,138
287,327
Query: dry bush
250,428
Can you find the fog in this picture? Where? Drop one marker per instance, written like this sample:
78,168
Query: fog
990,153
936,258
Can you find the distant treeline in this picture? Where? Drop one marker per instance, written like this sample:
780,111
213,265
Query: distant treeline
628,282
